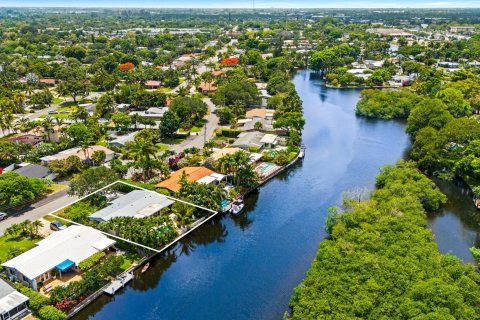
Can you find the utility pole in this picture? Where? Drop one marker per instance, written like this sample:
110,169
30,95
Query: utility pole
205,135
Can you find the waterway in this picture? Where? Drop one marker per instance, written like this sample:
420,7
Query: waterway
245,267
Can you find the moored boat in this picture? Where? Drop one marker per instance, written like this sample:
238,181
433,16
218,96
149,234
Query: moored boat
237,206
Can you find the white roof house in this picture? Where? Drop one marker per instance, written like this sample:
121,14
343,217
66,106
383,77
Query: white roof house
73,245
135,204
13,304
269,138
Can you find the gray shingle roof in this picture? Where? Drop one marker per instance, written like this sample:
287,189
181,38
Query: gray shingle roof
33,171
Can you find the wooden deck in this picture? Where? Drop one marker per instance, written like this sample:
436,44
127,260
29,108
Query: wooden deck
118,283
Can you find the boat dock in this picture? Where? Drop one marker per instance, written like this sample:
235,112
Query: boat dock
118,283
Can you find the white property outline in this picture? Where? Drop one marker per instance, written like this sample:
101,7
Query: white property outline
127,240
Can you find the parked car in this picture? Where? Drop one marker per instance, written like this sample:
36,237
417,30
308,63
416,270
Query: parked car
57,225
52,112
3,216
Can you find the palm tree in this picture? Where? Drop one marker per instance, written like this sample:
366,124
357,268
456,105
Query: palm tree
36,225
142,151
238,108
22,124
47,126
80,114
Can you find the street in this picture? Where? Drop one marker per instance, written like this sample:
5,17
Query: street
38,212
198,140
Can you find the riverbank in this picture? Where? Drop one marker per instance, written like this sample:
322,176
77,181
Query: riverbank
245,266
375,251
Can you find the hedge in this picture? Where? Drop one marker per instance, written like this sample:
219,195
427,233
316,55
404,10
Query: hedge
36,300
51,313
91,261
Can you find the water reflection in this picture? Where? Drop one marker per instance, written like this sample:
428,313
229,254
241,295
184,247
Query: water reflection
246,266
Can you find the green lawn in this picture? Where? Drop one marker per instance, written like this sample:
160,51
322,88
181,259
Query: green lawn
129,259
55,187
172,140
51,218
163,147
57,100
58,115
6,242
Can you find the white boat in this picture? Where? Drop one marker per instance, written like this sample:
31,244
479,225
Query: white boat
237,207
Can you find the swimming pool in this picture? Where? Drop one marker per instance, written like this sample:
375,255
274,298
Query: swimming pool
265,168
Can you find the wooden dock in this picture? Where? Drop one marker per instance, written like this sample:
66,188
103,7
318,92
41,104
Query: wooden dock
118,283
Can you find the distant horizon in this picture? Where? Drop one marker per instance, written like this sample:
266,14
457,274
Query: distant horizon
265,4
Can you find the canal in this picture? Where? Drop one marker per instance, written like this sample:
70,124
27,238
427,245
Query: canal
245,267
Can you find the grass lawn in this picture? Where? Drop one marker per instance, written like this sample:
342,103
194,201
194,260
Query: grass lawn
55,187
163,147
172,140
129,259
57,100
50,219
6,242
165,90
58,115
195,129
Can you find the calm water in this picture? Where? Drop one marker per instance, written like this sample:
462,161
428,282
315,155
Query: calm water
457,225
246,267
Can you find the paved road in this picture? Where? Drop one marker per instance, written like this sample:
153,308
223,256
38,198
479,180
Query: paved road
38,212
197,141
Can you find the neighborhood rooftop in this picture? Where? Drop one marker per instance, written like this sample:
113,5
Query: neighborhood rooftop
136,204
75,243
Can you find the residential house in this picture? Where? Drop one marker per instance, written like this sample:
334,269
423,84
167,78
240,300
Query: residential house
49,82
220,153
152,84
31,170
84,155
135,204
119,141
60,252
193,174
30,139
13,304
152,113
246,140
207,87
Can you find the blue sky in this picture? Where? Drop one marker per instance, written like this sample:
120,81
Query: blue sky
245,4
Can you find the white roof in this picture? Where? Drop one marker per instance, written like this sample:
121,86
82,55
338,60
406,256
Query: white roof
206,180
269,138
9,297
137,204
75,243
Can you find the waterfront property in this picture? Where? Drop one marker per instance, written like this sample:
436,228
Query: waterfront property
59,253
193,174
136,204
13,304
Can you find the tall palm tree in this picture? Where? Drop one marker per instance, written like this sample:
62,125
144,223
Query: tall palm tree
142,151
238,108
47,126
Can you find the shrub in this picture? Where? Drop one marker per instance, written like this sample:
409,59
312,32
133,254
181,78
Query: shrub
51,313
91,261
36,300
